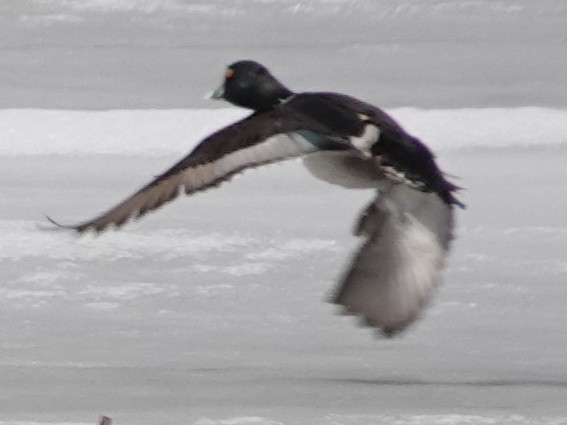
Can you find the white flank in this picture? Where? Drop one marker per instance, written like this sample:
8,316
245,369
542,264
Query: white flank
366,140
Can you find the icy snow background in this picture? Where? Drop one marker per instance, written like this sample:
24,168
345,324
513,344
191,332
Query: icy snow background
211,311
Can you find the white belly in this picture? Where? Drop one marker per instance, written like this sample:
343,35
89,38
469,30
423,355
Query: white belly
344,169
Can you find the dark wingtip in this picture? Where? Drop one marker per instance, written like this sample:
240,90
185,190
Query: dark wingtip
457,202
59,226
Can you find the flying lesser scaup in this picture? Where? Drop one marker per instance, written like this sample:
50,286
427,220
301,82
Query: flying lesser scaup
406,229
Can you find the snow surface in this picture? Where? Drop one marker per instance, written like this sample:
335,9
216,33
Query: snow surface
211,310
388,7
167,132
130,54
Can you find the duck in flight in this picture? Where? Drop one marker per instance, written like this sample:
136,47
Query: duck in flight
406,230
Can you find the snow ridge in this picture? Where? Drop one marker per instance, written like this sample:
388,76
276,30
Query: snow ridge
176,131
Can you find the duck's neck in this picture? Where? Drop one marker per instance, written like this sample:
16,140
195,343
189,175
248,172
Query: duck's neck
272,96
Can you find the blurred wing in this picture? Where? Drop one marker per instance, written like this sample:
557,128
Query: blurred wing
398,267
259,139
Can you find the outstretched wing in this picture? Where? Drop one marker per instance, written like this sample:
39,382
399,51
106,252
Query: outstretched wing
395,273
259,139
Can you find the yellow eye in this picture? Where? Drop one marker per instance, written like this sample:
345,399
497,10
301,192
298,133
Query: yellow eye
229,73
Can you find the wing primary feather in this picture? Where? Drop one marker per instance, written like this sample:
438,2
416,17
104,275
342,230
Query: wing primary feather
257,140
395,272
59,225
